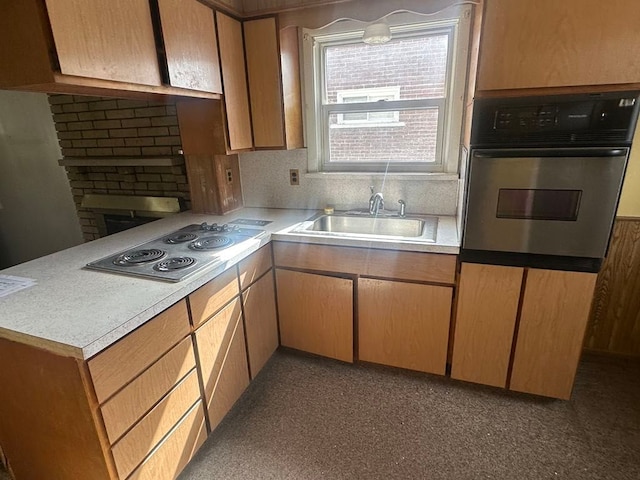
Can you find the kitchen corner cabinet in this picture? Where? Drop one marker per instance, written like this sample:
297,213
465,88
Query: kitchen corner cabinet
531,321
273,69
95,48
259,304
558,44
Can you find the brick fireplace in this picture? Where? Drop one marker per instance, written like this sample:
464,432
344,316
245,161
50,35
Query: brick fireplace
119,147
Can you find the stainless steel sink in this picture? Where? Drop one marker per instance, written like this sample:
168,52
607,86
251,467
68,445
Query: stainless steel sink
414,228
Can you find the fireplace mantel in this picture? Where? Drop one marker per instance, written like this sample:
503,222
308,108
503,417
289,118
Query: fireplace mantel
121,161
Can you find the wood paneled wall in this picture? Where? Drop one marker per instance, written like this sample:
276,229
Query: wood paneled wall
614,326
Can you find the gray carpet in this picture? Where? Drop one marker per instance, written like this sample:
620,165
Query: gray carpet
311,418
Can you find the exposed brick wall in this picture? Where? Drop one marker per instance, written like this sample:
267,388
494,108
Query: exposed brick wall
418,66
108,127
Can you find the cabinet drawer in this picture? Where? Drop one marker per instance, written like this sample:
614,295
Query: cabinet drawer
427,267
177,449
250,269
132,402
211,297
129,452
123,361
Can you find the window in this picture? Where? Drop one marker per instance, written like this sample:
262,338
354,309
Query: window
368,95
389,107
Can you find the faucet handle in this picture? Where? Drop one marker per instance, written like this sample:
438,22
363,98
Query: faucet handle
403,206
371,188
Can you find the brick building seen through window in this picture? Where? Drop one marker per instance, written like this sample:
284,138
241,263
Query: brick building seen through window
408,68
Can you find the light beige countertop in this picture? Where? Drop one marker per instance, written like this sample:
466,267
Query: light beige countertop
78,312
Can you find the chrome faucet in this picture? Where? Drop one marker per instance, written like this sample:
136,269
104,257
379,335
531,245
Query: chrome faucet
376,202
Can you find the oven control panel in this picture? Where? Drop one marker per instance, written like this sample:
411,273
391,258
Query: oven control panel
604,119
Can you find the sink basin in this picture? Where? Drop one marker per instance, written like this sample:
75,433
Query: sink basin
423,228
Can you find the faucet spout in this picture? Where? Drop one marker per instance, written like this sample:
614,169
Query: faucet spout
376,202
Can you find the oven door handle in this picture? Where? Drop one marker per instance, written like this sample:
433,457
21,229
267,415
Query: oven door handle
551,152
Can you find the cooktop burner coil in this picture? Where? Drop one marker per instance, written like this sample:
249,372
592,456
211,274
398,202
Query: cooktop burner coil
180,237
174,263
211,243
137,257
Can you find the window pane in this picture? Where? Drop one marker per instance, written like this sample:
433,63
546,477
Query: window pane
415,65
411,138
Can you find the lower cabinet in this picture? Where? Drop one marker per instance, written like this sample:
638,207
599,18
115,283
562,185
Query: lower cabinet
316,313
404,325
403,309
555,311
222,357
488,297
261,321
534,351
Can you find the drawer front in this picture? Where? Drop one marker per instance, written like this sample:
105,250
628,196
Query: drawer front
176,450
123,361
426,267
129,452
211,297
252,267
132,402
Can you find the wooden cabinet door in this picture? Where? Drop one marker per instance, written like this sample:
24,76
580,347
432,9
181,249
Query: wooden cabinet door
106,40
265,89
223,361
234,77
555,310
487,308
548,43
261,322
316,313
404,325
190,44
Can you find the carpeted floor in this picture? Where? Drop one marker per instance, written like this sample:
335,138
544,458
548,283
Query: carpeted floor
308,418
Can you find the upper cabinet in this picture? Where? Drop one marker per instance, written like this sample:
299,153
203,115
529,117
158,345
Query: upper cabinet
273,69
107,40
94,47
190,45
559,44
234,76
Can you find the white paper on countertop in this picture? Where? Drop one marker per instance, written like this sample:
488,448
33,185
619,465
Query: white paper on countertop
10,284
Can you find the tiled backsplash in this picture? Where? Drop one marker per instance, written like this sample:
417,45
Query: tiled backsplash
123,130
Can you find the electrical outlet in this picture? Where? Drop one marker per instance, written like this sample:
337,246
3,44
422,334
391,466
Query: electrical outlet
294,177
229,176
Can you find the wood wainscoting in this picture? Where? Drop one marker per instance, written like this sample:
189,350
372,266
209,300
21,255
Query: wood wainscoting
614,326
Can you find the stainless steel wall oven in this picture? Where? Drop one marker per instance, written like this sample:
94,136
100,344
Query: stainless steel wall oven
544,178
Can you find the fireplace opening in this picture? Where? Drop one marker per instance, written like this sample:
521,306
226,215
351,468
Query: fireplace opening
116,213
120,223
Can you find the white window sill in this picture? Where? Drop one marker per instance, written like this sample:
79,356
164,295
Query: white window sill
430,177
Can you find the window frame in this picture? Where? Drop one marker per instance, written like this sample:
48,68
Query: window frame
455,21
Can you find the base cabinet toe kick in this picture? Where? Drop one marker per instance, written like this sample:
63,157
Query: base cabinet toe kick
141,408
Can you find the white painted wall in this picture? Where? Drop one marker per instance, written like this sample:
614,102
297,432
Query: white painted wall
265,183
37,214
